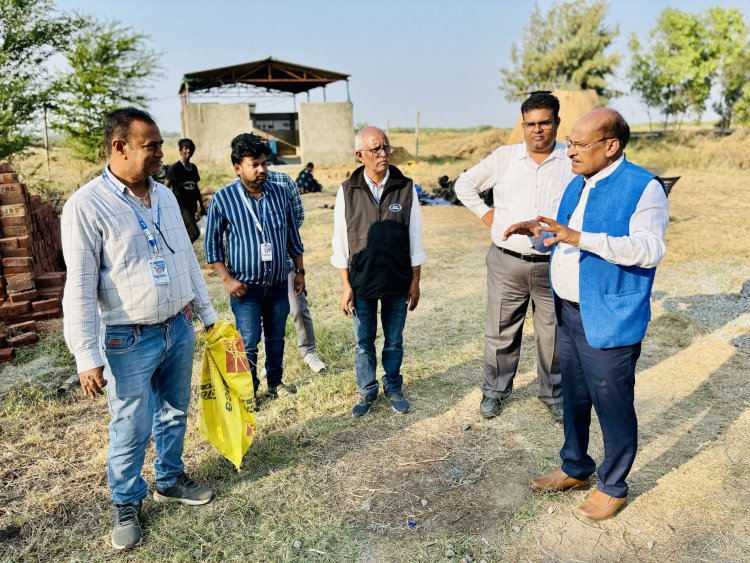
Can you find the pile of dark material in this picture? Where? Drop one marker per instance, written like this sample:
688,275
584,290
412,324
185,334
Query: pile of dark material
446,191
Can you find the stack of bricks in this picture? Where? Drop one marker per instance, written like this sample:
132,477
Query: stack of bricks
33,276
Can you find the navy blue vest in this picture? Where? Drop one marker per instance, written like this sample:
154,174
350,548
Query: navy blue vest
615,300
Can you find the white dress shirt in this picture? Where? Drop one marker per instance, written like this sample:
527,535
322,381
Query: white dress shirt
340,257
643,247
522,189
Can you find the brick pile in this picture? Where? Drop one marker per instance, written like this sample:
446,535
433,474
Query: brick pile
32,271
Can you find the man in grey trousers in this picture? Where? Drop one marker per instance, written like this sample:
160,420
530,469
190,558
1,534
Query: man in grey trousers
525,178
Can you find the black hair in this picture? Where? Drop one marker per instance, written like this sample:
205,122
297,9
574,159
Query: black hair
117,125
247,144
617,128
182,143
310,165
541,99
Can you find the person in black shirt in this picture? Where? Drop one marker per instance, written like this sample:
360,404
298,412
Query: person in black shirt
183,178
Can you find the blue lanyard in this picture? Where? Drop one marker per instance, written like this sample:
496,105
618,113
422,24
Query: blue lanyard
146,231
244,196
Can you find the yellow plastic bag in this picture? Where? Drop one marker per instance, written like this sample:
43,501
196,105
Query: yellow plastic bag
226,407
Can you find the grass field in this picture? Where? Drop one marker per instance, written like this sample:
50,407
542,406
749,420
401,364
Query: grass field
346,489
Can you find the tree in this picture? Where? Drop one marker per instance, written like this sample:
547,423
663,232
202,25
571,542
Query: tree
563,49
110,64
31,32
686,53
727,33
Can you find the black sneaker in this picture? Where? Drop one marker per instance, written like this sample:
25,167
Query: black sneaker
186,491
398,402
126,525
489,407
363,406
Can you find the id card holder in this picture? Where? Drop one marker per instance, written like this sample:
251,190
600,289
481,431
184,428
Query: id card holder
265,252
159,273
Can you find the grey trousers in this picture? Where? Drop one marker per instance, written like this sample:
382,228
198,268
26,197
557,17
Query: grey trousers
300,313
511,284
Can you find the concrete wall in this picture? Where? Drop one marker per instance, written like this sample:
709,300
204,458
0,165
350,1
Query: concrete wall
213,126
326,132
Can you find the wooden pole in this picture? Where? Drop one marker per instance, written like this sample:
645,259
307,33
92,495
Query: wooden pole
388,129
416,138
46,145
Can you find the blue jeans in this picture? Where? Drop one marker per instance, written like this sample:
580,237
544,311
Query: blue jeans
393,318
148,371
271,303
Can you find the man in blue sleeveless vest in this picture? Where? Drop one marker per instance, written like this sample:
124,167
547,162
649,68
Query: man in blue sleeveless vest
378,249
606,243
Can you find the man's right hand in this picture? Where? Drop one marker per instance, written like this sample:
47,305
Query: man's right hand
93,382
347,300
488,217
525,228
235,287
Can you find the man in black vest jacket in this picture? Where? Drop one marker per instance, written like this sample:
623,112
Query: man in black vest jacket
377,247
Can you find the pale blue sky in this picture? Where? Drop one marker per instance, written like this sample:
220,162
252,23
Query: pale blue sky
439,57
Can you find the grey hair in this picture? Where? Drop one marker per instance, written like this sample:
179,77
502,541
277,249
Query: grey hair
358,138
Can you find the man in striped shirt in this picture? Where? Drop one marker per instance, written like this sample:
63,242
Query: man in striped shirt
250,232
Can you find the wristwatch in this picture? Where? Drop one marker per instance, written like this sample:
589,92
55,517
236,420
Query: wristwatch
299,271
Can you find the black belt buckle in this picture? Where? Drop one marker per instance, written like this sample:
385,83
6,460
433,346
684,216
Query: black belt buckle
525,257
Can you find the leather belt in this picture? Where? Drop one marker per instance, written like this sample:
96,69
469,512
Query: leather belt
525,257
573,304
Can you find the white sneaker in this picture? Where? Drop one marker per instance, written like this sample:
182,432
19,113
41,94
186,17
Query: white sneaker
314,362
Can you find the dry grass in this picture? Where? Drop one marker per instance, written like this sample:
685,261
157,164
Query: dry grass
312,467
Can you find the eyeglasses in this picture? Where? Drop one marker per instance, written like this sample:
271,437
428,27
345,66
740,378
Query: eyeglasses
543,125
583,147
386,150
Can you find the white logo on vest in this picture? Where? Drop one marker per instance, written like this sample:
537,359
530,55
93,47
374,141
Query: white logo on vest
395,207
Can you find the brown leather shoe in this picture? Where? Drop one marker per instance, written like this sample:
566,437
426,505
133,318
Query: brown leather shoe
599,506
558,480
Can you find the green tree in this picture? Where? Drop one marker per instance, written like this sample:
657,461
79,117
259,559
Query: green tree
727,34
109,66
685,56
31,32
563,49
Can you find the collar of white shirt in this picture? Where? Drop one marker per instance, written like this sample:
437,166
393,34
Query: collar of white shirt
371,183
559,152
605,172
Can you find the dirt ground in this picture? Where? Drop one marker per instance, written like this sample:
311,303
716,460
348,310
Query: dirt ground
440,483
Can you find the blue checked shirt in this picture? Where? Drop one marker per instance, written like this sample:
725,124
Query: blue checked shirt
233,238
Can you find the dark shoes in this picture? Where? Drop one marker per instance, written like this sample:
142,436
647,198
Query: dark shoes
185,491
363,406
600,506
557,480
489,407
556,410
126,526
399,403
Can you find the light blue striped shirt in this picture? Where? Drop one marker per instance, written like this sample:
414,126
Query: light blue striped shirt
233,238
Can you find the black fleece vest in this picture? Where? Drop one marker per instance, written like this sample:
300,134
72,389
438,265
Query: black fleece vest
378,234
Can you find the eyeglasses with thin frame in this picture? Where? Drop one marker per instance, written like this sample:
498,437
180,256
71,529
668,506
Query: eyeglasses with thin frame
583,147
387,149
543,125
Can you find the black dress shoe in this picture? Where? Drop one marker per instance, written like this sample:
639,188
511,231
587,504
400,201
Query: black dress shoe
489,407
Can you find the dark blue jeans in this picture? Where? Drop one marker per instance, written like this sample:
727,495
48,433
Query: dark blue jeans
393,318
604,379
271,304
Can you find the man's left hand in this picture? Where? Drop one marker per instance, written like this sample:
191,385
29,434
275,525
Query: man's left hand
412,297
299,283
561,232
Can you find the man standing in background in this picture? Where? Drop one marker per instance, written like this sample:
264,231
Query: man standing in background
183,178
